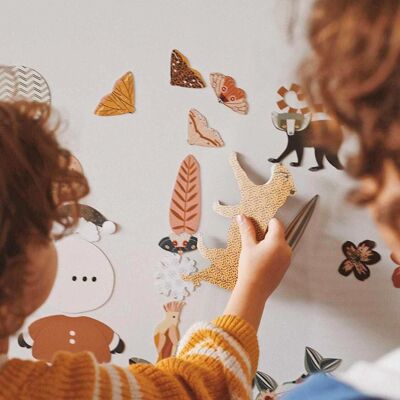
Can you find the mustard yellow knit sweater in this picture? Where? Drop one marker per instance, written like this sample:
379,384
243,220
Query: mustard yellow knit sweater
215,361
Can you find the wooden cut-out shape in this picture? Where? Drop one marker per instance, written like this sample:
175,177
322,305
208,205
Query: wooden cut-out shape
121,100
166,334
258,202
228,93
199,133
184,212
182,74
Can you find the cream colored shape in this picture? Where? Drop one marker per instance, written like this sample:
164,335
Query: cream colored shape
168,329
258,202
199,133
217,80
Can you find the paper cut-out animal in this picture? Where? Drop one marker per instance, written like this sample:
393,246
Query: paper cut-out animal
302,132
228,93
260,203
184,211
166,334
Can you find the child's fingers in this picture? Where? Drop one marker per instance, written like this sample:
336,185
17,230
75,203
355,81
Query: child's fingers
247,230
276,230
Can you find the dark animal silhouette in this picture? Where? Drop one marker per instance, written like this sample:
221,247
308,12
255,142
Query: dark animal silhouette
302,132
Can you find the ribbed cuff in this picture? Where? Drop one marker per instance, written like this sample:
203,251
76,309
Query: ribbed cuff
244,333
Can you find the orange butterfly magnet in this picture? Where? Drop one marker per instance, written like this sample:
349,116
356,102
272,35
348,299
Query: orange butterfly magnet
199,133
182,74
120,100
228,93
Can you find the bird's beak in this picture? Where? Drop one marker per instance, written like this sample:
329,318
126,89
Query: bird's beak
180,252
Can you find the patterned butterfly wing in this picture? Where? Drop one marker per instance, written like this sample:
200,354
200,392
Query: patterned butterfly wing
228,93
265,382
199,133
120,100
184,213
182,74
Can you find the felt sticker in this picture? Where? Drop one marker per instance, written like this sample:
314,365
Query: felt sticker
184,212
182,74
199,133
228,93
303,132
85,277
49,335
23,83
315,363
358,258
169,273
121,100
396,272
259,202
166,334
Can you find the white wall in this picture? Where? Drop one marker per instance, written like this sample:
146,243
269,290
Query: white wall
82,47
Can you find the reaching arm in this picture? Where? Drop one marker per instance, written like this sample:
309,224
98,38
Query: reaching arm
262,266
215,360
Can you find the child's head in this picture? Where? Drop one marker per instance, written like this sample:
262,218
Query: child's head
354,70
34,179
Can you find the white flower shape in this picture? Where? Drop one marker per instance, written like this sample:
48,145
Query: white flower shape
169,273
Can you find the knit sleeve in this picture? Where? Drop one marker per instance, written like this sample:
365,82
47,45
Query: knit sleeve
215,360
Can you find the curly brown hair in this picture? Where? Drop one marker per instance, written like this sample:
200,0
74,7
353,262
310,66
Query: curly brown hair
35,178
354,71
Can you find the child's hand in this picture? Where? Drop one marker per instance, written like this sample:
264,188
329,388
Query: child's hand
263,264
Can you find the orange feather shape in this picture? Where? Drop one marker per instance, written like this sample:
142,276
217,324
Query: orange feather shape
120,100
184,212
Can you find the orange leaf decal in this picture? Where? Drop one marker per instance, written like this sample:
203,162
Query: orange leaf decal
184,212
120,100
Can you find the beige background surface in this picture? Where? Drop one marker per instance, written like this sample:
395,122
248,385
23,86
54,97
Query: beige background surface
82,47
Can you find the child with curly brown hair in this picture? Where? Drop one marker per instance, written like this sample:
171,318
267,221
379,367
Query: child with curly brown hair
353,70
215,360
